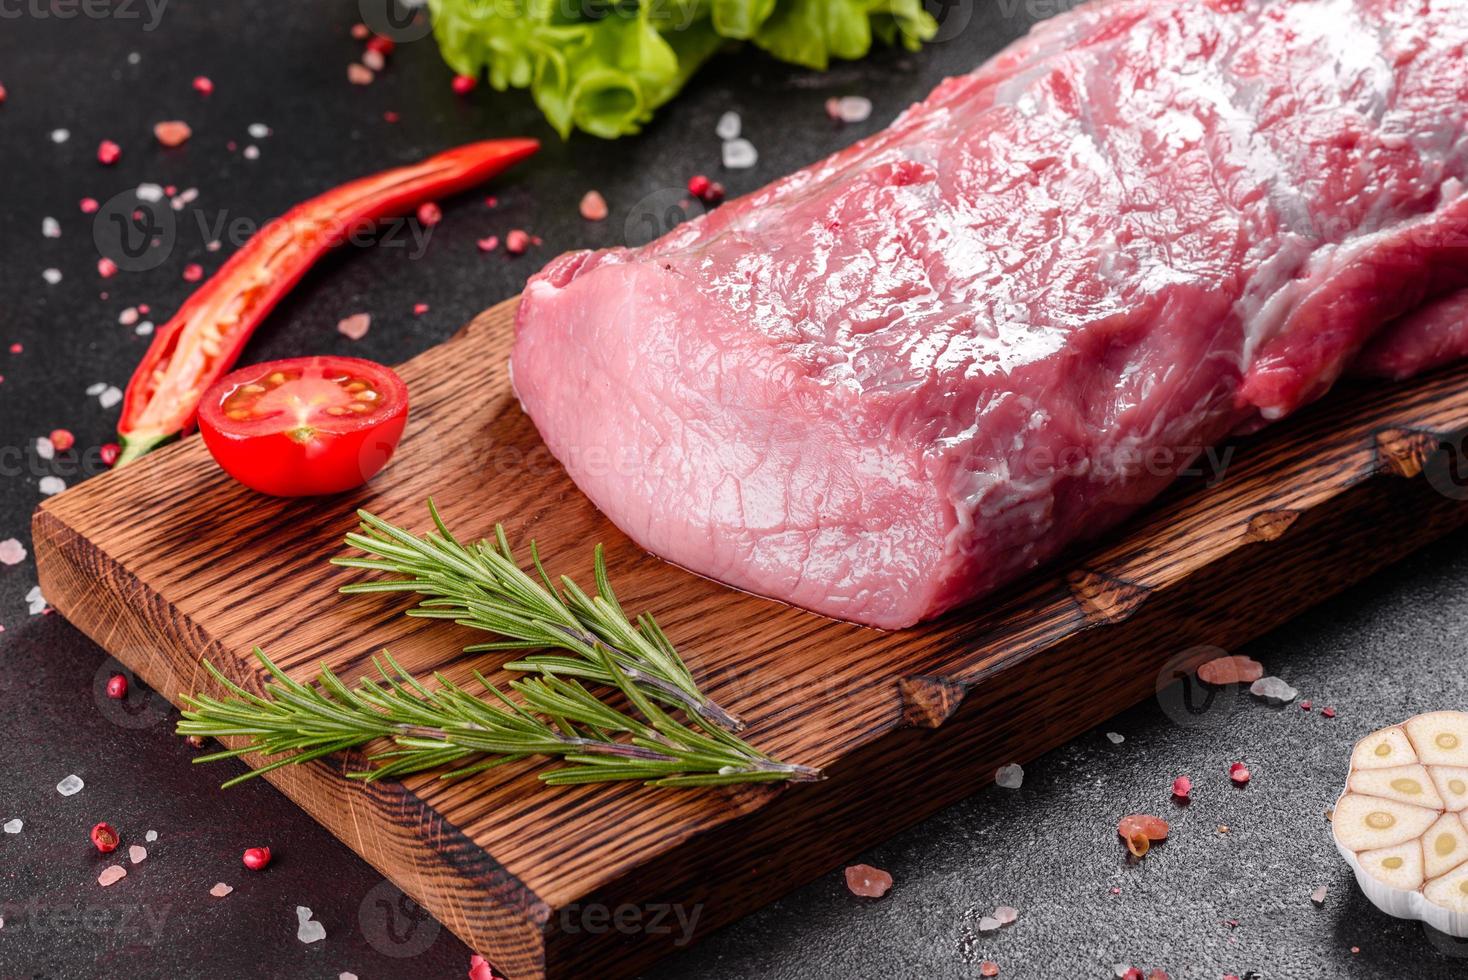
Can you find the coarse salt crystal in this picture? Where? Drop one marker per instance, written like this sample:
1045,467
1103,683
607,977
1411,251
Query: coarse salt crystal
152,193
127,318
45,448
867,881
989,924
144,329
593,206
259,131
1273,689
95,389
1318,896
111,875
137,853
110,396
1006,914
307,929
36,604
70,786
1116,738
150,836
220,890
359,74
50,227
729,126
14,826
853,108
51,485
373,59
740,154
1011,776
355,326
52,276
60,135
346,976
172,132
251,152
12,552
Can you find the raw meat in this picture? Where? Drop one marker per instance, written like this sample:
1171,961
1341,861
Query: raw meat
901,377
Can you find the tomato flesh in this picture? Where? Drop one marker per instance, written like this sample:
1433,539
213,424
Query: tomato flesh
305,426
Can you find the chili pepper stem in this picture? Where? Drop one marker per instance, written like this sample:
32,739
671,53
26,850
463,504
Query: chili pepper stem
136,446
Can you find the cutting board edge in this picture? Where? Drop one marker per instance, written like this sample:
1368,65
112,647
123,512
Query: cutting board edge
310,787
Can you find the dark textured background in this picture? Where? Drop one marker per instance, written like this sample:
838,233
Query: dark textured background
1383,652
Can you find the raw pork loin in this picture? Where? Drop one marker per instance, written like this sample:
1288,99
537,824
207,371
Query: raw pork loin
903,376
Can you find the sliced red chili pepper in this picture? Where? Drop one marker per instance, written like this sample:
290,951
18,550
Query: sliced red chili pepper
205,336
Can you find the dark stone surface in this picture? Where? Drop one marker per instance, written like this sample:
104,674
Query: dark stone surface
1381,653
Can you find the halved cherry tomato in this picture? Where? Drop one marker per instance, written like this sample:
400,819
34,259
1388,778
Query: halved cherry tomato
305,426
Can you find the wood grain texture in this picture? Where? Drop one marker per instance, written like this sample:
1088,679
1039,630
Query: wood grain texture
167,561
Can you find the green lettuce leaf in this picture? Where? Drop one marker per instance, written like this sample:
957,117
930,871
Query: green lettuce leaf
604,66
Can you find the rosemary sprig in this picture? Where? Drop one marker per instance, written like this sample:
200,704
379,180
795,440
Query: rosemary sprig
483,587
449,727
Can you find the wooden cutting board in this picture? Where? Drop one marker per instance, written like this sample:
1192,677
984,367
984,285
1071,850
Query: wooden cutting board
167,561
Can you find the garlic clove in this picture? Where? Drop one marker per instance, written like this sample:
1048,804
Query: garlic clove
1450,891
1383,749
1444,846
1452,784
1405,784
1440,737
1399,867
1370,822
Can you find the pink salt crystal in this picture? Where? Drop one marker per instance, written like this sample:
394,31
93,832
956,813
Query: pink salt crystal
593,206
220,890
172,132
1329,712
359,74
1182,787
1239,773
111,875
89,205
355,326
488,244
516,242
12,552
1006,915
479,969
420,308
867,881
137,853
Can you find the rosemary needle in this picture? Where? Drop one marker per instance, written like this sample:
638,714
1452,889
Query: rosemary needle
483,587
448,728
